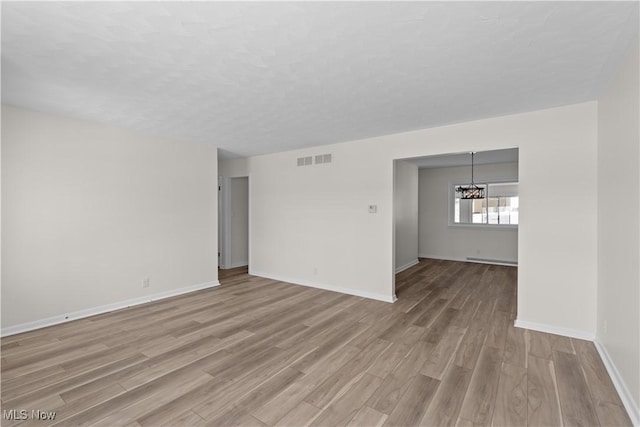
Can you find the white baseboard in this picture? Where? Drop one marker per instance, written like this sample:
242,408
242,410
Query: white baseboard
475,260
407,265
540,327
235,265
619,383
67,317
444,258
349,291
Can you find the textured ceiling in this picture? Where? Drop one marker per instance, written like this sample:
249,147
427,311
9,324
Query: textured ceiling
255,78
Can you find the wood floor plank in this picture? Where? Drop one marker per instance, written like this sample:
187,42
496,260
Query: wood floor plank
396,383
388,394
600,384
181,356
497,334
462,422
443,353
91,399
345,406
293,395
516,352
236,388
367,417
438,328
560,343
300,416
325,392
539,344
155,399
432,312
414,402
72,382
465,312
543,402
445,406
327,349
112,408
575,399
611,414
373,331
187,418
32,382
469,349
228,375
511,400
389,359
396,329
16,368
609,407
486,308
479,401
254,399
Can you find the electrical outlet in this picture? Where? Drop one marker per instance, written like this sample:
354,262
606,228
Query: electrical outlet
146,282
604,326
315,270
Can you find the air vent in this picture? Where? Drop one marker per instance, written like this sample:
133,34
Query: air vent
317,159
305,161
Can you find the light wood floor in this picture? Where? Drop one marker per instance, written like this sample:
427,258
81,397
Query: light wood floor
260,352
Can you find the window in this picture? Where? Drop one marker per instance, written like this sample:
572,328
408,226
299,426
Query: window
499,207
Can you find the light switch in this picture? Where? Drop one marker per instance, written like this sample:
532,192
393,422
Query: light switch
373,208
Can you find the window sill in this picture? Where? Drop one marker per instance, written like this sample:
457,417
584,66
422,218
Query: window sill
485,226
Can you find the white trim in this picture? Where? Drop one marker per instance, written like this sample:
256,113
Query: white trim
492,261
407,265
619,383
348,291
556,330
444,258
226,223
475,260
220,219
63,318
236,265
512,227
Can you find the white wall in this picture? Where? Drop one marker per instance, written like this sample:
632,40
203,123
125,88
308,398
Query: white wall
233,167
619,225
440,240
406,214
239,236
311,224
89,211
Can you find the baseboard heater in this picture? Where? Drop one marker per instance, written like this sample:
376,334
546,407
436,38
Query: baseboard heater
492,261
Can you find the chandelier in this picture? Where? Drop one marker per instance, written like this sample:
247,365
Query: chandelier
471,191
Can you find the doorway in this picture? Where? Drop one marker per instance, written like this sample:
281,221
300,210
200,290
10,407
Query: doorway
234,222
433,221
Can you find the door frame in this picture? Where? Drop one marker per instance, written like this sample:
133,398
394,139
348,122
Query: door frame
224,228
